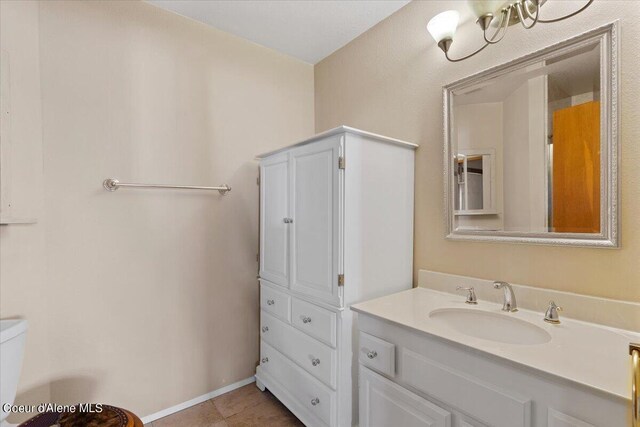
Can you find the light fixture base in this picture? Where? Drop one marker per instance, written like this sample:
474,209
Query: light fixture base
110,184
485,20
530,4
445,44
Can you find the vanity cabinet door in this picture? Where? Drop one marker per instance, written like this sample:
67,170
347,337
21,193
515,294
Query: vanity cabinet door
464,421
559,419
384,403
315,208
274,219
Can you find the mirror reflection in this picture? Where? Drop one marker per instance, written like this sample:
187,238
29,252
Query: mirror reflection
526,148
474,182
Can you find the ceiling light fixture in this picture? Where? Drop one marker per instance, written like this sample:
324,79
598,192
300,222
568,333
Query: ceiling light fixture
442,27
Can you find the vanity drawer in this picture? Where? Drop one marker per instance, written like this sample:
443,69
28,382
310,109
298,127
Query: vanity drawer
313,356
302,387
377,354
314,320
275,302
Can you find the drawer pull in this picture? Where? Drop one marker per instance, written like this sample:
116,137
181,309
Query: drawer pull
270,302
315,362
265,359
305,319
315,401
372,354
265,329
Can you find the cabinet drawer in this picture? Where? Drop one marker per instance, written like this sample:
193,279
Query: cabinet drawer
309,392
314,320
384,403
313,356
275,302
377,354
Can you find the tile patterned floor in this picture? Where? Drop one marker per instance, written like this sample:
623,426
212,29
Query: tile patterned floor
243,407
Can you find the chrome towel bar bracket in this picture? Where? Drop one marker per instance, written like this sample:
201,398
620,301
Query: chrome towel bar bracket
112,184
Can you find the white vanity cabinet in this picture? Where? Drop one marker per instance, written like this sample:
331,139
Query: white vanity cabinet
336,228
441,383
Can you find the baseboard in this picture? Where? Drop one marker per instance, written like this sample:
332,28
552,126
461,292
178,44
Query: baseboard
189,403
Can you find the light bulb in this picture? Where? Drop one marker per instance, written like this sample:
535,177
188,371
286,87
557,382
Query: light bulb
443,25
483,7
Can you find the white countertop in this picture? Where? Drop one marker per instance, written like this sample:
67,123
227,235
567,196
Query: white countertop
589,354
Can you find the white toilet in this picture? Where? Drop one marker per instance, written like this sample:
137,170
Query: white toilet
13,333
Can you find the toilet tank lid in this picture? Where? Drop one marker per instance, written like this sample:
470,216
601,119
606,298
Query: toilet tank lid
10,328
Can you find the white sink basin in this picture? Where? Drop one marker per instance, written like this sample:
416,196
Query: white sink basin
491,326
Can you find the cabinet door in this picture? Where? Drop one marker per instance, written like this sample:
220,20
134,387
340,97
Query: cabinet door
274,210
315,207
384,403
559,419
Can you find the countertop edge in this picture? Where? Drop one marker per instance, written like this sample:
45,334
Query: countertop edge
608,393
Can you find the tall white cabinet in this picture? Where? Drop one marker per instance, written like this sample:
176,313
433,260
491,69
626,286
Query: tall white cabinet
336,228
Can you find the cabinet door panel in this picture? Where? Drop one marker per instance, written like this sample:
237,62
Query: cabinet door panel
479,399
464,421
274,208
384,403
559,419
314,232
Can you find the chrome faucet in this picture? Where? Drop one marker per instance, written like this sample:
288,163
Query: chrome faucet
509,303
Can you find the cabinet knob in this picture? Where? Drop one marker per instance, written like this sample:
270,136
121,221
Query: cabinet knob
265,329
372,354
270,302
315,401
265,359
288,220
305,319
315,362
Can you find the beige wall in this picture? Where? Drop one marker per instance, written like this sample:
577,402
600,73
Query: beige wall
143,299
389,81
146,299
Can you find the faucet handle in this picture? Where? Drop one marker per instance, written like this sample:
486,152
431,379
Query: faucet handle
471,294
552,316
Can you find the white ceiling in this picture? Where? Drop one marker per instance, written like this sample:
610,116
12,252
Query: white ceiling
309,30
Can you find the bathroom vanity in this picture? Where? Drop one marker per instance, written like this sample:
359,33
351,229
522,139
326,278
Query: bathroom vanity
428,359
336,228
